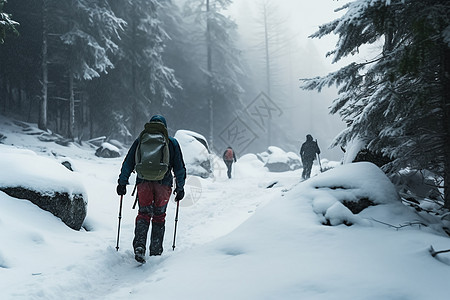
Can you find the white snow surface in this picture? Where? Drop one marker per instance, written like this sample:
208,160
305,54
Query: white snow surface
24,168
236,238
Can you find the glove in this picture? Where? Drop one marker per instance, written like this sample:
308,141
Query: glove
121,189
179,194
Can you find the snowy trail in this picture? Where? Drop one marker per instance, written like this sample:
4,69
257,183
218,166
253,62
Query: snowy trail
94,269
236,239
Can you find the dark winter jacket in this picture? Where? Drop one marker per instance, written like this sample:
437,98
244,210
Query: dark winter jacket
309,150
176,163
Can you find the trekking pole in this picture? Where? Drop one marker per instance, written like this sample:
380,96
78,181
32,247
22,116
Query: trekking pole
318,158
320,165
135,200
175,230
120,218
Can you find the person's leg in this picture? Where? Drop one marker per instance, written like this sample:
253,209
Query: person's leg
308,169
304,169
157,238
228,163
162,195
145,199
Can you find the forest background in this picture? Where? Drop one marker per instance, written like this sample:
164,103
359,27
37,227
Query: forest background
85,69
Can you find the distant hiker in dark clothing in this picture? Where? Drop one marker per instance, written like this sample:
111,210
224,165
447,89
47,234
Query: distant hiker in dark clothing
154,186
308,153
228,157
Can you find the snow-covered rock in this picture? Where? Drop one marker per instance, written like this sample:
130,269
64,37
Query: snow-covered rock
342,193
107,150
196,154
277,160
48,184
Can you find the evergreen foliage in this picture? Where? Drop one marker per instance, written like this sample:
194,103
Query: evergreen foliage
141,83
6,23
85,68
215,46
399,101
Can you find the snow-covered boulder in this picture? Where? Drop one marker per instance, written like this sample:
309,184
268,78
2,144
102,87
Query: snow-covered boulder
44,182
107,150
277,160
342,193
196,154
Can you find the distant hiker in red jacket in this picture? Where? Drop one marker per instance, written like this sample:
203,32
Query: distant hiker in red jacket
228,157
308,153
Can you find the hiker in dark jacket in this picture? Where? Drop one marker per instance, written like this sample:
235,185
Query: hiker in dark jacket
308,153
153,196
228,157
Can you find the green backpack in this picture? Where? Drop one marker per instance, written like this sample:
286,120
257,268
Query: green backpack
152,153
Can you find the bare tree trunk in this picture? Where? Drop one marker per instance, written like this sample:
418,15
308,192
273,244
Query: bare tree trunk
446,99
266,41
447,177
71,132
22,98
134,95
447,154
209,68
59,119
3,93
42,123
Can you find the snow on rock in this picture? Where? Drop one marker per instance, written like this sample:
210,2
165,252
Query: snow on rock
252,163
45,182
341,193
107,150
196,154
277,160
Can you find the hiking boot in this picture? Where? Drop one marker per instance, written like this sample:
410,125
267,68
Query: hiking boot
139,255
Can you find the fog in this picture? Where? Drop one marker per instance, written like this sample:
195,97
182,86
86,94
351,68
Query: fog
257,101
292,56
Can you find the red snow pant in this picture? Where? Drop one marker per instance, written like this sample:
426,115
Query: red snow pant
153,198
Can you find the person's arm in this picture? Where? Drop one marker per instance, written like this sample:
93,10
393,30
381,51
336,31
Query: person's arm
179,168
302,151
128,164
234,156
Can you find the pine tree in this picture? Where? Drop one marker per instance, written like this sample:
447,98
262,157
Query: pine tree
179,55
143,72
6,23
215,36
398,102
20,60
90,40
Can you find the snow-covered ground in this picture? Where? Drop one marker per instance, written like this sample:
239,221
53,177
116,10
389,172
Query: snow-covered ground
236,239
